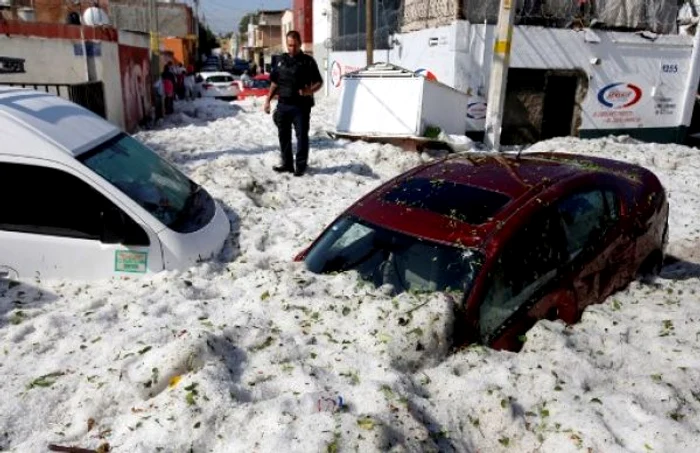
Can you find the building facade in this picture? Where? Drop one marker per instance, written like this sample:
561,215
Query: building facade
265,38
47,11
303,22
625,68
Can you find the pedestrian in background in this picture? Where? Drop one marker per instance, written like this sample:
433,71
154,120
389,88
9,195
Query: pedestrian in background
159,95
189,83
294,79
168,87
180,81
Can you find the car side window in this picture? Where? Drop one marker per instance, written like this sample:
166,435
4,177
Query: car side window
584,217
529,261
47,201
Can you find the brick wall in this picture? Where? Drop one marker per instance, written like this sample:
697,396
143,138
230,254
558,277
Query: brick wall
52,11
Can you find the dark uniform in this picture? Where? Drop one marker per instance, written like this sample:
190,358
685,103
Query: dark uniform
291,74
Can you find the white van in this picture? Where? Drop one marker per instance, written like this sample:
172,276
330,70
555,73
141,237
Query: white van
82,199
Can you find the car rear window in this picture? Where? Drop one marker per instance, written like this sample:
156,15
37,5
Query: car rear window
219,79
462,202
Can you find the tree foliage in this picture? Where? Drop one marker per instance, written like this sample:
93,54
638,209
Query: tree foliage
245,20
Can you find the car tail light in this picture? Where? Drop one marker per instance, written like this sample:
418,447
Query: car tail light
206,86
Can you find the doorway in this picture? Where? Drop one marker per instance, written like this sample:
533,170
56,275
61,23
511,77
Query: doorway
542,104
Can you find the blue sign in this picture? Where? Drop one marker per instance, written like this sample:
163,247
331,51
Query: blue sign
93,49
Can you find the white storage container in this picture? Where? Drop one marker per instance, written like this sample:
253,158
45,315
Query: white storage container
386,100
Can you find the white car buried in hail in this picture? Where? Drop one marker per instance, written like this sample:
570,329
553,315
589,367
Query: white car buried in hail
217,85
82,199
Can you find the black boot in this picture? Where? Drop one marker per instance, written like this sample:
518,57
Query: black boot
283,169
300,170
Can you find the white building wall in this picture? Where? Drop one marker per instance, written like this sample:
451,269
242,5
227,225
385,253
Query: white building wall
54,61
107,71
321,16
47,60
619,66
432,49
287,26
321,32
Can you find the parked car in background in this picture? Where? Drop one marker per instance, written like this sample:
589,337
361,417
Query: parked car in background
514,239
239,66
256,87
85,200
219,84
213,63
210,68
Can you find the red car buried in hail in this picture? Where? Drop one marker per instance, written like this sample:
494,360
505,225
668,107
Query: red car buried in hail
518,238
256,87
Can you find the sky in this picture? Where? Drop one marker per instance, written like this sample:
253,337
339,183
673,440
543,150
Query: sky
224,15
252,352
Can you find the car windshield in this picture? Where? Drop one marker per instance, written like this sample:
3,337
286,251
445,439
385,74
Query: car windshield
152,182
382,256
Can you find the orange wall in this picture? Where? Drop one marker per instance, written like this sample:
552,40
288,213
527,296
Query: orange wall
181,49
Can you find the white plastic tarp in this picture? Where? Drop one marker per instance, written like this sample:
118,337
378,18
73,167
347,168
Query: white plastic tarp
662,15
621,13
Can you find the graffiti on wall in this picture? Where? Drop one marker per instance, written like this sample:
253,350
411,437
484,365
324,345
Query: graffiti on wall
11,65
134,68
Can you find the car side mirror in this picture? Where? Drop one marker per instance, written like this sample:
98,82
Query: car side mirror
112,226
301,255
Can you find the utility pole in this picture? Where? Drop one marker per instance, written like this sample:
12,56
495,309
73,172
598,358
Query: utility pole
155,41
369,37
499,74
196,33
155,51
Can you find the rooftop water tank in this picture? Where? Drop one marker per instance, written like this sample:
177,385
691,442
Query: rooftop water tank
95,16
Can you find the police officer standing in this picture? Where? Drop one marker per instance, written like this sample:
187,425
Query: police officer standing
295,78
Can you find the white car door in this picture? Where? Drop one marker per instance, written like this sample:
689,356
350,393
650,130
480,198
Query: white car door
56,223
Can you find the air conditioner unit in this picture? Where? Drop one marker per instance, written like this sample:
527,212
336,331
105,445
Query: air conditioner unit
5,3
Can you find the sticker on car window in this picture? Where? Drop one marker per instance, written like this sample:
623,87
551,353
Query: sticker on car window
128,261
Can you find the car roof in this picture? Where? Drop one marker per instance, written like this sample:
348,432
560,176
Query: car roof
462,199
28,115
